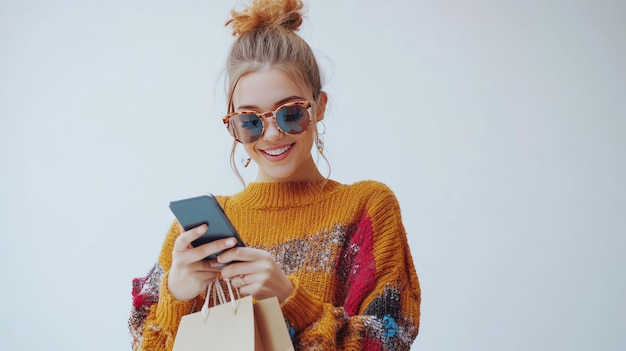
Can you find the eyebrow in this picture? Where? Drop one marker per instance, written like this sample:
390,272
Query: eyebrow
276,104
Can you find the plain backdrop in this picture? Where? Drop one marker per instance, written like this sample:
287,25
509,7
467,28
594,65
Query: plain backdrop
499,124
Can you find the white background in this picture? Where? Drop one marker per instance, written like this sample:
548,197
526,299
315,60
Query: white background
499,124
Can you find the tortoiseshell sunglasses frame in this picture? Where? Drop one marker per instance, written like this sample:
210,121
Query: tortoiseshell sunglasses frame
306,104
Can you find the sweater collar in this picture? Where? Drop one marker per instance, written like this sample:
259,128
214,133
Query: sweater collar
270,194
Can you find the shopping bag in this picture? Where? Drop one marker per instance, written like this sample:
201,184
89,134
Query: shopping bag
270,325
225,326
235,325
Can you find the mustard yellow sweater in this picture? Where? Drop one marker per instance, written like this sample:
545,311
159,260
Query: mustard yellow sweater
343,247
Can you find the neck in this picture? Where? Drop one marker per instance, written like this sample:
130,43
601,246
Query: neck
307,173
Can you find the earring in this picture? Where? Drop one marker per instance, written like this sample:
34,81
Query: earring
320,144
319,141
246,161
323,125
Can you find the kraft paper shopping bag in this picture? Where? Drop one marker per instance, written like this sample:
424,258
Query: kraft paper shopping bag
234,325
271,327
225,326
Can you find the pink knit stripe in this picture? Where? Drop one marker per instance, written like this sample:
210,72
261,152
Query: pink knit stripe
362,276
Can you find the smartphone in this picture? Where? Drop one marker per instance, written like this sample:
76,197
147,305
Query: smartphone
205,209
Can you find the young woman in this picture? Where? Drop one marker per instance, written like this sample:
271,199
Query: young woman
335,255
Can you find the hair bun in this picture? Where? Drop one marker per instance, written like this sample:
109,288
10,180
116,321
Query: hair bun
267,13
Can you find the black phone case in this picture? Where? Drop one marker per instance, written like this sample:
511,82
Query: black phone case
205,209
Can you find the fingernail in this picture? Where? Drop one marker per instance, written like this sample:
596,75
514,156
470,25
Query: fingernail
201,229
230,242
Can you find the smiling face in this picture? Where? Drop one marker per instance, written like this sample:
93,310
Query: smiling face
281,157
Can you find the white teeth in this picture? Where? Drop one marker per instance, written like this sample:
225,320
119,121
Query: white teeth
277,152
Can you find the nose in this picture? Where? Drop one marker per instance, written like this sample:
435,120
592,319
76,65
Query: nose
270,131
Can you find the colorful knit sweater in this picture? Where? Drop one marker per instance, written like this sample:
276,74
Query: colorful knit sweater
343,247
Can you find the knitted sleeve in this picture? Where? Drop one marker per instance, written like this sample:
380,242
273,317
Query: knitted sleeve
156,314
381,308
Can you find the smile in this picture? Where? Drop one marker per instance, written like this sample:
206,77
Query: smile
277,152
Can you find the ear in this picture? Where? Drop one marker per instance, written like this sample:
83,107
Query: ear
321,106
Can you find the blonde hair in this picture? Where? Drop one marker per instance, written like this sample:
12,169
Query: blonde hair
266,38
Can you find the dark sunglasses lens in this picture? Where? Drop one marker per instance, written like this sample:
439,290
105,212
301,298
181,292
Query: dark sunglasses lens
246,127
293,119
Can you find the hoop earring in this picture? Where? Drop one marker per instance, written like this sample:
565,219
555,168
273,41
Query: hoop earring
324,125
319,140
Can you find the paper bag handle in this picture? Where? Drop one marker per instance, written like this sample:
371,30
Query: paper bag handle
218,297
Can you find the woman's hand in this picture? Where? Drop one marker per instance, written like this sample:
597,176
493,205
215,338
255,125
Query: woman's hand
257,274
190,274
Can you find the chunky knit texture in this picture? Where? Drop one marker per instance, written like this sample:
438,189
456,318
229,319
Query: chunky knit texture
342,246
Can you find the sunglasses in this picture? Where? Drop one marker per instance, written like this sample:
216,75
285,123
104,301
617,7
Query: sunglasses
247,126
